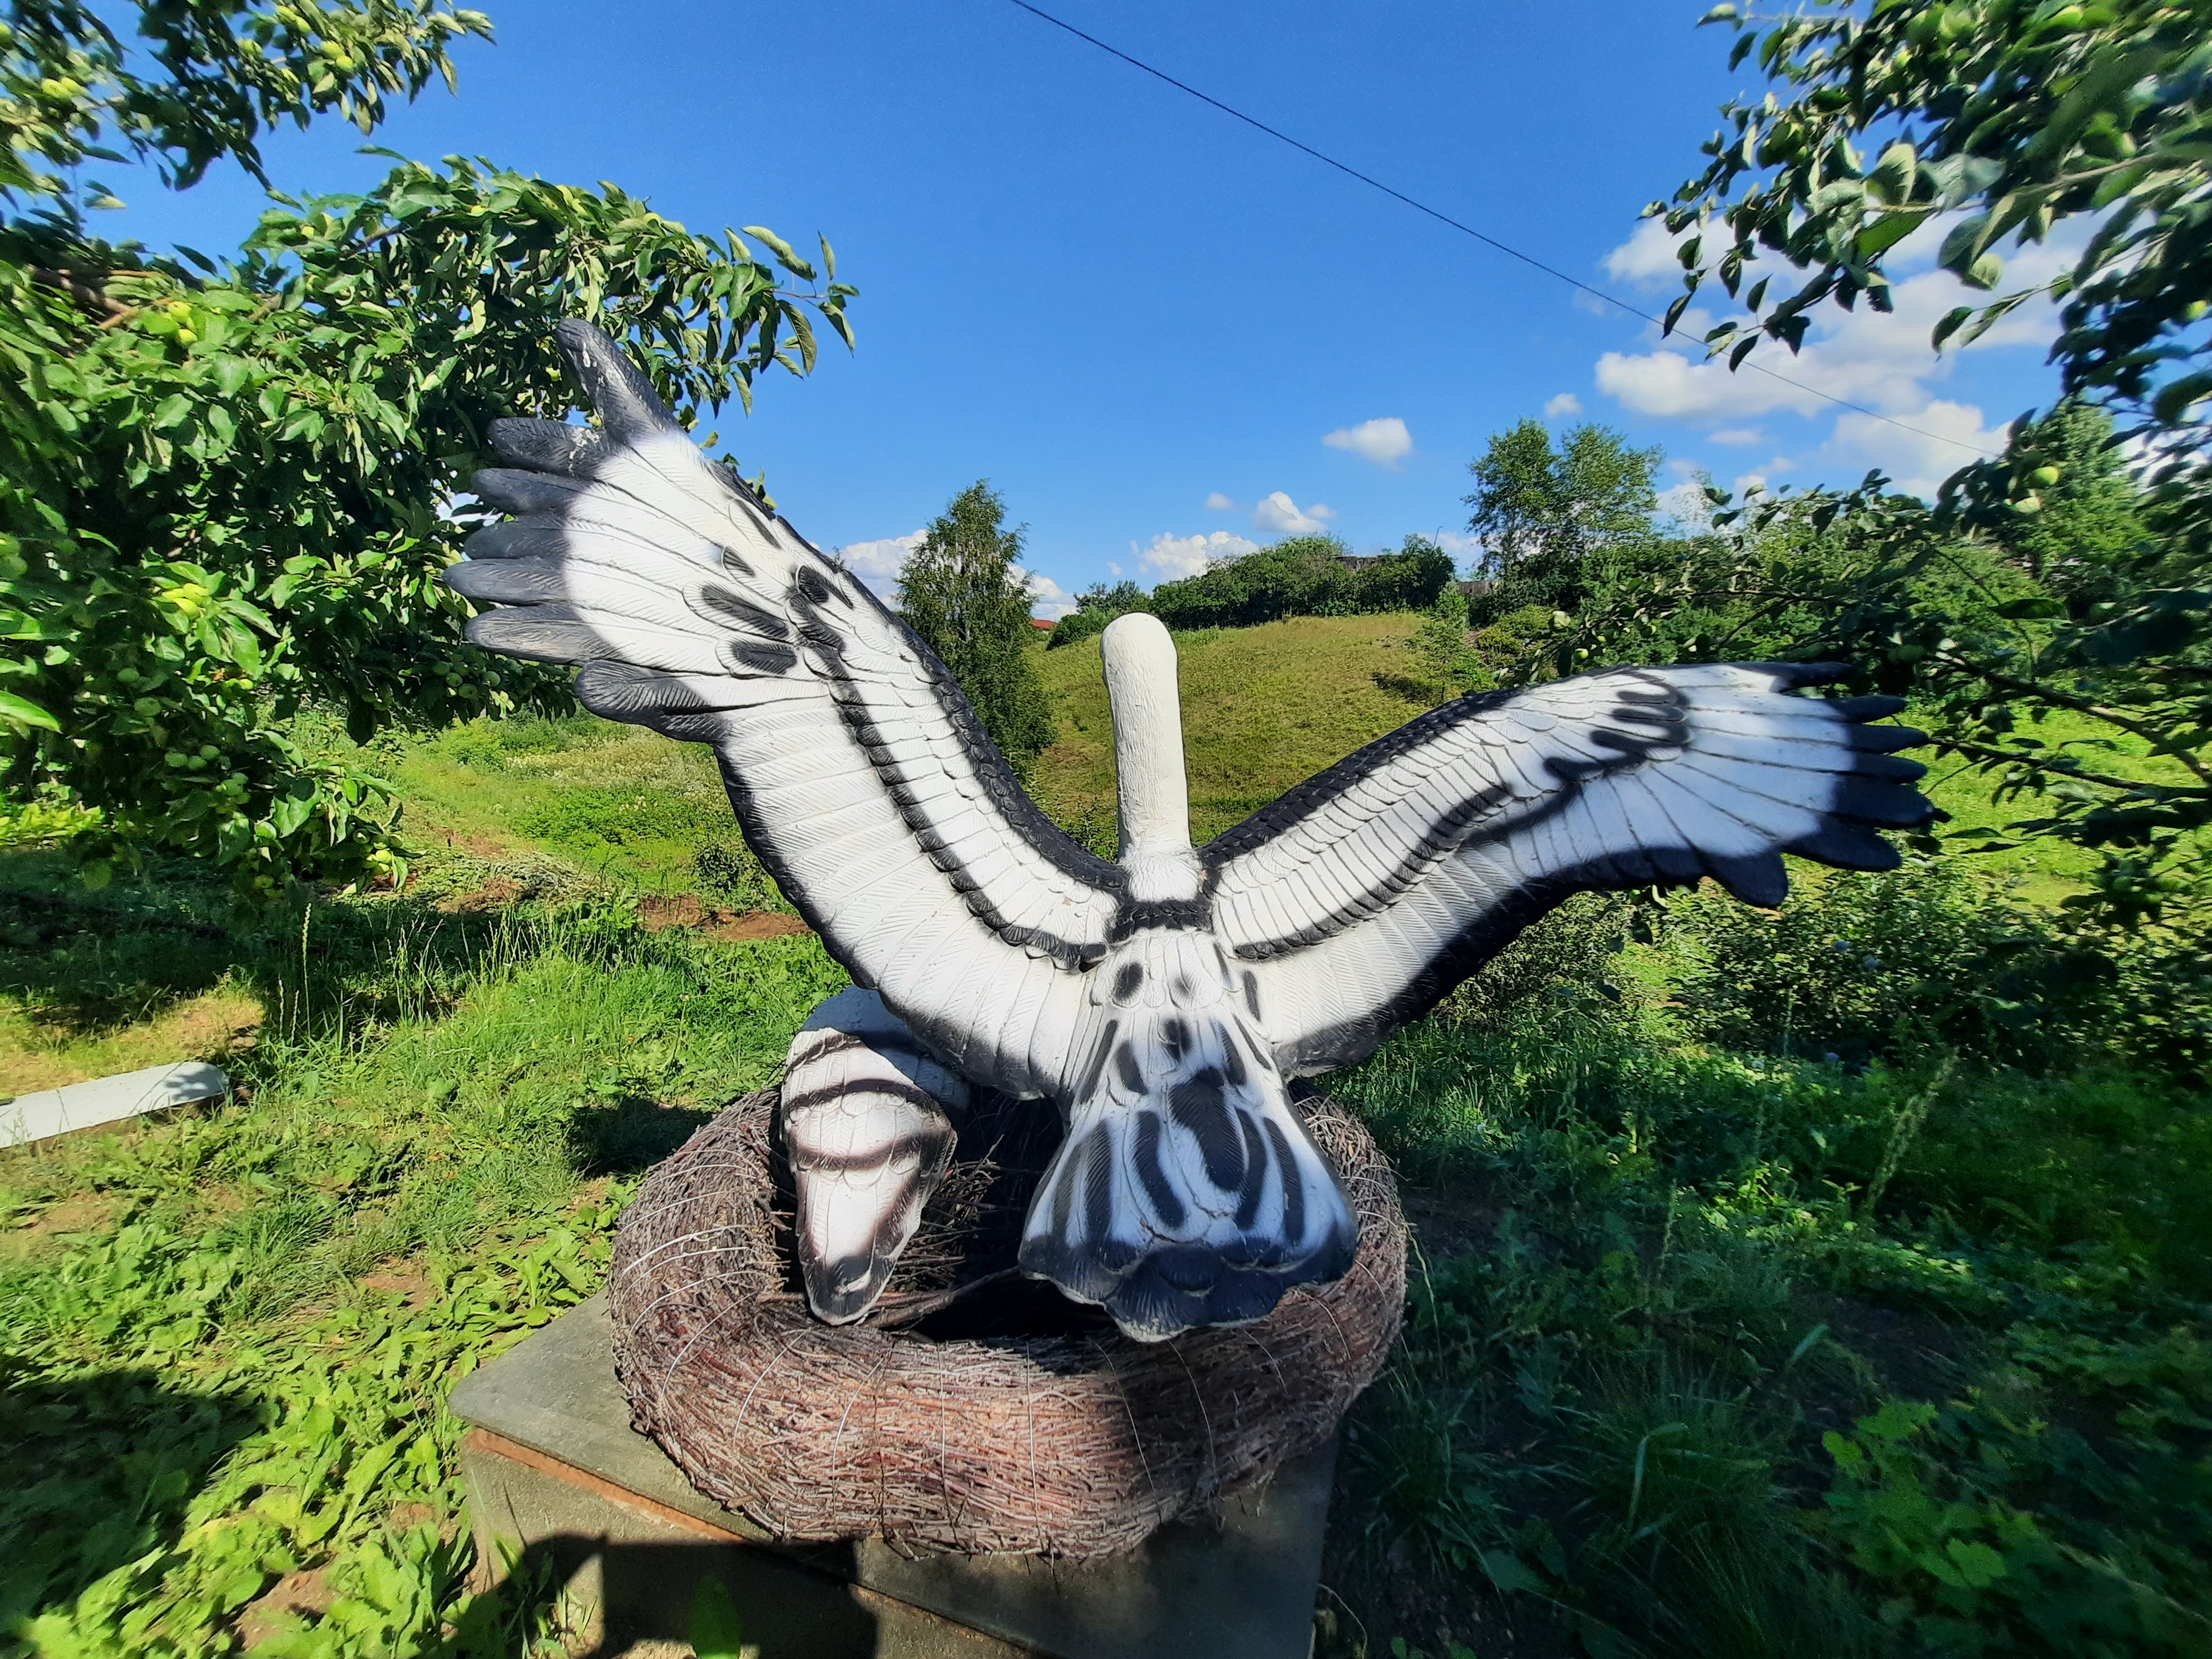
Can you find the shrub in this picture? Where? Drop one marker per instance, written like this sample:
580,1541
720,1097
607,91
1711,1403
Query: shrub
1303,576
1889,966
1094,607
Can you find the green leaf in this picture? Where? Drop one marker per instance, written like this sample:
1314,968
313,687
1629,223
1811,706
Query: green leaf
715,1633
21,711
2175,397
786,254
1509,1573
1886,232
1964,245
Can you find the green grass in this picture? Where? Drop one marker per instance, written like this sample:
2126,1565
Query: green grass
1263,708
230,1335
1865,1318
1719,1352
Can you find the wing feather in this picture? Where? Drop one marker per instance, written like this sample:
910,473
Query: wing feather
1364,895
858,769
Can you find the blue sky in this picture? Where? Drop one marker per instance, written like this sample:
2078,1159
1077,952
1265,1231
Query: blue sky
1143,321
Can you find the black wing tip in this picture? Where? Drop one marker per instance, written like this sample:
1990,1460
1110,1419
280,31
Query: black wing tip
1759,879
615,385
1794,675
549,445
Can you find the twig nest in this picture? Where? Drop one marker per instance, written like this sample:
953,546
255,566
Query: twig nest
975,1410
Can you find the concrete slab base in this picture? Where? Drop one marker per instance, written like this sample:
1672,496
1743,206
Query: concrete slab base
559,1481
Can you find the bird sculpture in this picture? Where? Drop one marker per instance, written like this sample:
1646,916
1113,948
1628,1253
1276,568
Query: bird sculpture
1161,1002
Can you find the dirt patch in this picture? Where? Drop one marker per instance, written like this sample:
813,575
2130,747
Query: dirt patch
664,911
685,910
413,1286
294,1596
757,924
76,1215
466,840
496,893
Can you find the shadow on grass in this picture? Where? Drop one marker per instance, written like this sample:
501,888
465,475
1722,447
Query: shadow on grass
85,963
95,1472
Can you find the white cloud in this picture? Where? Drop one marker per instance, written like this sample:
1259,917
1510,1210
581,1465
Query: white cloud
1918,463
1281,515
1742,436
1047,599
1383,441
1686,505
1565,404
1880,359
1113,569
1170,557
1218,502
1464,549
1647,258
1746,482
879,562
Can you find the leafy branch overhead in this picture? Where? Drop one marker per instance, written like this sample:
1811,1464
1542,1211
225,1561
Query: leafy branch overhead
227,485
1998,119
2065,581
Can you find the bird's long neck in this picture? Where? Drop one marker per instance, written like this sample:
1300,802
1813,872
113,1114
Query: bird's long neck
1141,690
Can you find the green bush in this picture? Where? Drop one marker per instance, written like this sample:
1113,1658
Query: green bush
1897,966
1303,576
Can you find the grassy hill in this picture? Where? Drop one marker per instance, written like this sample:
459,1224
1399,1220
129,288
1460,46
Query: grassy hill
1263,708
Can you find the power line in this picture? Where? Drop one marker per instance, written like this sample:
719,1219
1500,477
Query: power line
1467,229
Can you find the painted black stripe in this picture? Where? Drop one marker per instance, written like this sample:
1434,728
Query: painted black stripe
1133,1076
1444,840
1097,1155
1091,1072
890,1045
929,1150
1201,1105
1155,1180
734,607
1133,916
1255,1172
1294,1186
884,1089
825,636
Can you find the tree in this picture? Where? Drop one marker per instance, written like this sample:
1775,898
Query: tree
1094,607
960,590
228,486
1540,512
1440,645
1303,576
2090,524
2003,120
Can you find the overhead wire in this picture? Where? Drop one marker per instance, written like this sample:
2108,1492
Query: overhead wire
1487,240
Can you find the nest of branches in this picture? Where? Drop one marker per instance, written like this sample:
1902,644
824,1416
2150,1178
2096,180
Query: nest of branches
975,1410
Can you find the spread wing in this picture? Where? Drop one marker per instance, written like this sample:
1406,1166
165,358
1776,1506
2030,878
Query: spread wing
860,775
1363,896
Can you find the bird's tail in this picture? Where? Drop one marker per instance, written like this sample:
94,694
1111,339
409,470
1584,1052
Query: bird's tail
1187,1191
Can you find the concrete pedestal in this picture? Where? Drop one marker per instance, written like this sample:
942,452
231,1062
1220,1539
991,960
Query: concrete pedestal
556,1474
